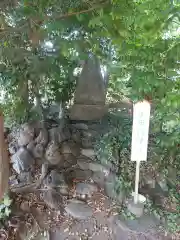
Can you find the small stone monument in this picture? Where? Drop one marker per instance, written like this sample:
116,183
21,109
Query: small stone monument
90,94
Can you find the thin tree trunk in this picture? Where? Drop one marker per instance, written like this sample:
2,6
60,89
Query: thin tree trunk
4,161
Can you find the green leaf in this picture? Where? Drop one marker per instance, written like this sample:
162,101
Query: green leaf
7,211
7,201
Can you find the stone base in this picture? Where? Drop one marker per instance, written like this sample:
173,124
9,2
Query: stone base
87,112
141,227
136,209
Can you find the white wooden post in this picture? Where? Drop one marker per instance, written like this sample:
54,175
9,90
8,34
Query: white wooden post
140,132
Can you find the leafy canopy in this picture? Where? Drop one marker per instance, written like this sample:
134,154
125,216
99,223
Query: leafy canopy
43,42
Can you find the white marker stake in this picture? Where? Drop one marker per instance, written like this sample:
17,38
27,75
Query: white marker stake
136,182
140,131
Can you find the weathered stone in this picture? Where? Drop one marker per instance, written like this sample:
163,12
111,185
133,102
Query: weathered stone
25,138
70,148
99,178
149,181
91,86
140,225
12,148
55,134
36,150
25,206
70,158
44,169
53,154
13,180
66,134
75,200
22,160
55,179
78,174
86,142
109,190
53,199
97,167
163,184
42,138
65,148
135,208
87,134
85,189
83,162
64,190
88,112
25,177
118,228
29,128
76,136
79,210
59,134
80,126
90,153
31,146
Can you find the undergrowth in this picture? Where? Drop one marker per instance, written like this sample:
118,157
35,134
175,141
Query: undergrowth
113,148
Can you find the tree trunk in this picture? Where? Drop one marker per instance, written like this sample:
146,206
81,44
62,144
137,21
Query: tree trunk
4,161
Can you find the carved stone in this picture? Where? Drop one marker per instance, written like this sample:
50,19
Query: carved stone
90,93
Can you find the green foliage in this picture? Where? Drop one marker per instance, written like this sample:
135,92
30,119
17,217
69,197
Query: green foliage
5,207
168,215
137,41
114,147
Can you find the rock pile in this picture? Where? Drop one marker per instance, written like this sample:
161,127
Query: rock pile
68,160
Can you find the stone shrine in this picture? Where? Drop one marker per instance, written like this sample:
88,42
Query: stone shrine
90,95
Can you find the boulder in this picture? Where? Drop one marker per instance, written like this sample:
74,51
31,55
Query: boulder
12,148
25,177
25,138
53,154
59,134
70,147
78,175
22,160
86,189
55,134
90,153
53,199
86,142
83,162
54,179
70,158
76,136
42,138
99,178
36,150
79,210
98,167
29,128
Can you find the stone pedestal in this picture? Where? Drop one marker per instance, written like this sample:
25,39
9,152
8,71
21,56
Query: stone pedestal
136,209
87,112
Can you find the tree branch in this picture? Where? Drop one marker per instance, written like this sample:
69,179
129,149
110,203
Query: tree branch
51,18
80,12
